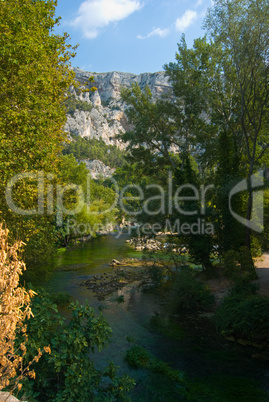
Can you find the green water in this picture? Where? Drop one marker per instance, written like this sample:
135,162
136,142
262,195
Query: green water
200,354
80,262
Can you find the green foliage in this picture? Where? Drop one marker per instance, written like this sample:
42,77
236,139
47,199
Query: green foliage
97,210
191,294
72,104
67,373
239,266
139,357
84,148
242,290
34,75
60,298
244,315
231,234
240,30
152,133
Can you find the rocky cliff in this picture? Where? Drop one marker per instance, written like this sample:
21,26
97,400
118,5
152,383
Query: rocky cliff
98,169
101,114
107,116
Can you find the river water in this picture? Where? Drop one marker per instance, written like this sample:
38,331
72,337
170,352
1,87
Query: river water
199,352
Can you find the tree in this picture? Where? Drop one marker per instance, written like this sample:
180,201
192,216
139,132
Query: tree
227,80
150,139
164,142
34,76
240,30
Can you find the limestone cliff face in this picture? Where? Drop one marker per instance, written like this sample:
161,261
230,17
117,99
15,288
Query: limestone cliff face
107,117
98,169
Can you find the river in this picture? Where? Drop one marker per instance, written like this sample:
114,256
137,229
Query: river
199,353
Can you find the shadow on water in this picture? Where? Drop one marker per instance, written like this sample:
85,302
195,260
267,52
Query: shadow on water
143,319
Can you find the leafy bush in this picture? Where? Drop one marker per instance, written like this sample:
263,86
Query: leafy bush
238,265
191,294
137,357
14,310
242,317
67,373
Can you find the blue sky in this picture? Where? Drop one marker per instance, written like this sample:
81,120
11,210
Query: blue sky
133,36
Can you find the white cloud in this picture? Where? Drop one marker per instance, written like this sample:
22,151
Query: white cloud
96,14
186,20
155,32
199,3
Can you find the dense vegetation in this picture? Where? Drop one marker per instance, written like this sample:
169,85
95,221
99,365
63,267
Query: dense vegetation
212,134
244,316
86,148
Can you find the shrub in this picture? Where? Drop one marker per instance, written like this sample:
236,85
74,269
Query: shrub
246,318
137,357
191,294
238,265
14,310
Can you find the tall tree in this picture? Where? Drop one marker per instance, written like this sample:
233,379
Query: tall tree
240,30
34,76
228,77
